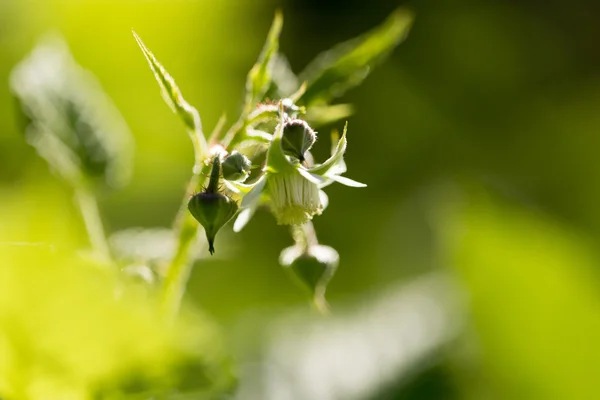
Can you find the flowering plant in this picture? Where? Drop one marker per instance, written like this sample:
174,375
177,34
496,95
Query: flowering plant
133,281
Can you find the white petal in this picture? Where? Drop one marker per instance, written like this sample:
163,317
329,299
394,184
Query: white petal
324,199
316,179
243,218
346,181
254,195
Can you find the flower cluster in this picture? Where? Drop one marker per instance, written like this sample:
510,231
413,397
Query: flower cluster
264,159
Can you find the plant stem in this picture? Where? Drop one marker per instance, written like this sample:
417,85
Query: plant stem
88,206
186,227
180,267
305,235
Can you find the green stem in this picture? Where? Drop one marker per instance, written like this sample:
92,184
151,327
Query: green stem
186,227
88,206
180,267
237,132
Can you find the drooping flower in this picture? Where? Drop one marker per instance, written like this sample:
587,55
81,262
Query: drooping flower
293,189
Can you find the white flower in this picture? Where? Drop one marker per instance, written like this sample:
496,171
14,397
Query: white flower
292,191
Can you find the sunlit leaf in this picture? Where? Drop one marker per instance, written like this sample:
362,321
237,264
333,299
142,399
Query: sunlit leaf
325,115
173,97
260,76
284,81
348,64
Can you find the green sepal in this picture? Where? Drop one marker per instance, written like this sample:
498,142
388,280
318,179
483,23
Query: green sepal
277,162
298,138
335,159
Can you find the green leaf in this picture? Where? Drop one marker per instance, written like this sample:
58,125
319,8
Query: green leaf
260,76
284,81
174,99
348,64
69,119
325,115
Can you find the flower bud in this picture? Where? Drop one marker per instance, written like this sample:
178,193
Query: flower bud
236,167
212,211
211,208
290,108
297,138
312,267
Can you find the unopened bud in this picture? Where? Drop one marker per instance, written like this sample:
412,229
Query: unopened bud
211,208
297,138
236,167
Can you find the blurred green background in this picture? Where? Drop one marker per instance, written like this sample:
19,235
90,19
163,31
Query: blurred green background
478,140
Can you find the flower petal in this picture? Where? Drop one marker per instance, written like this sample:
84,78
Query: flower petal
316,179
324,199
253,196
243,218
346,181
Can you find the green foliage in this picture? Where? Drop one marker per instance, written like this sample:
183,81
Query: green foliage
108,324
70,328
174,99
71,123
534,296
348,64
260,76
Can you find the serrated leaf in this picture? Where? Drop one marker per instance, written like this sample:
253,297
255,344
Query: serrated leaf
348,64
174,98
259,77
